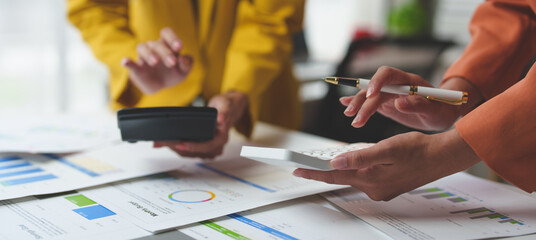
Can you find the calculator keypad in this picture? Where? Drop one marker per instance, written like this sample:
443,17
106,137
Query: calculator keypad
330,153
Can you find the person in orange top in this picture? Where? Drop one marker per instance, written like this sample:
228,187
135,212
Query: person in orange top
498,124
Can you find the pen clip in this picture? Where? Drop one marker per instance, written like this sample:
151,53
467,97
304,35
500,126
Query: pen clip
451,102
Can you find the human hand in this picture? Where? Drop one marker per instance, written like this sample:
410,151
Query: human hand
231,107
411,110
159,65
398,164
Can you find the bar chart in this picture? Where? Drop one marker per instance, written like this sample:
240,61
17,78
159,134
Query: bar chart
433,193
16,170
489,214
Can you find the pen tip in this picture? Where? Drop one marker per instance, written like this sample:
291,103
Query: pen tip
332,80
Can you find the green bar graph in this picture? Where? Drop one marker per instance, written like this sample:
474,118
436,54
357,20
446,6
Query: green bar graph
426,190
80,200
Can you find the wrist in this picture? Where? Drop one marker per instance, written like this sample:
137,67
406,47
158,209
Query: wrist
461,84
458,155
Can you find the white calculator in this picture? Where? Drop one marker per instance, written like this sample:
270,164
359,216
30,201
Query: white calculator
312,159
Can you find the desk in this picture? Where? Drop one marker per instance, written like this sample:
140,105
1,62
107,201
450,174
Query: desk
267,135
82,214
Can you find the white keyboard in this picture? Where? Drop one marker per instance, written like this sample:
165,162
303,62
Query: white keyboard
314,159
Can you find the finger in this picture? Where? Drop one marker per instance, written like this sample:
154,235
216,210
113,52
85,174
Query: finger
201,149
146,54
163,52
384,76
185,63
355,104
361,159
130,64
171,39
416,104
193,149
212,146
342,177
369,107
346,100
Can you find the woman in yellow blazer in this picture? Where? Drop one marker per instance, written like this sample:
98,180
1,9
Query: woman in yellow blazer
241,52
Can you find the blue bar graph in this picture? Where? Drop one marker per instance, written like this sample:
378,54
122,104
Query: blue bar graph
94,212
11,174
12,182
10,158
24,164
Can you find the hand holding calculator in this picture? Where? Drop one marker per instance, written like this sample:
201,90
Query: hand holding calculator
313,159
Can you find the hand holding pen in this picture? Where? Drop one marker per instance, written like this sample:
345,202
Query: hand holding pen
407,107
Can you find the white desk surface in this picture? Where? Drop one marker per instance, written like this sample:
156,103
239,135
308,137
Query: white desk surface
273,136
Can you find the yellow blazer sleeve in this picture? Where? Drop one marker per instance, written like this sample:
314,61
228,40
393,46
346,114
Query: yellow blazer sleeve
261,43
104,26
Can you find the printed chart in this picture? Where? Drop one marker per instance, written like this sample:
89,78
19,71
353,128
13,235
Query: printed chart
68,216
23,174
201,191
285,221
456,207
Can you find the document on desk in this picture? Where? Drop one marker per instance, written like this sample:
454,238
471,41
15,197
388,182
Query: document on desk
460,206
201,191
302,218
56,133
24,174
67,216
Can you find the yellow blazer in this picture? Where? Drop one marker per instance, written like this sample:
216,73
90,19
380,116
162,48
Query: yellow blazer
242,45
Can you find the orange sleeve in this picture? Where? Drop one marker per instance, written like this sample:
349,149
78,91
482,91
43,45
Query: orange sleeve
502,132
503,32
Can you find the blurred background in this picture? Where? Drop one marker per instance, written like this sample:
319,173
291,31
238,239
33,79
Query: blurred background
45,67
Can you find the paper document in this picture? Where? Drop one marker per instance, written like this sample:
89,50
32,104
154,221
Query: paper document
27,174
295,219
456,207
69,216
56,133
201,191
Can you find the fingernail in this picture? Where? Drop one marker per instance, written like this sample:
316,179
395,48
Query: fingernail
369,90
297,173
339,163
170,61
349,108
356,120
154,60
124,62
176,45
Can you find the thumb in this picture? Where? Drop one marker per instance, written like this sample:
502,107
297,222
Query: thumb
221,104
358,159
415,104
